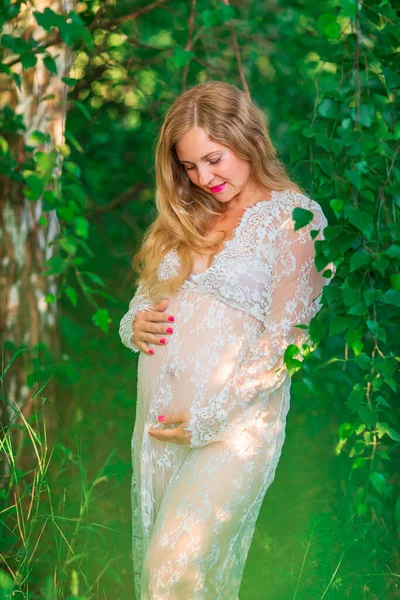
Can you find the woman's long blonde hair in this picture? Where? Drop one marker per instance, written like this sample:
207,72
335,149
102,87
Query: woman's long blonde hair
184,209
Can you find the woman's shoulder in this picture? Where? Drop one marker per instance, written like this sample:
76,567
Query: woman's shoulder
285,202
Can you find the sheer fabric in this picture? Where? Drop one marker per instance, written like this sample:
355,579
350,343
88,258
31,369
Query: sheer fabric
195,506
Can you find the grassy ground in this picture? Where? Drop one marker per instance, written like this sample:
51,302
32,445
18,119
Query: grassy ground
67,530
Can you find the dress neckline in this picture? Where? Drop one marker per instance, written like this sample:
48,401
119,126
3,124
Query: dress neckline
248,210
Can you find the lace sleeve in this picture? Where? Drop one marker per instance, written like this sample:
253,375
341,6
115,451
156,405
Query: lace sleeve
140,301
296,288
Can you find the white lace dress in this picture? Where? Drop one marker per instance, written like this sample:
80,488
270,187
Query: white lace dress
195,506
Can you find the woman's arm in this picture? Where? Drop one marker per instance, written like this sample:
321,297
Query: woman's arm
296,287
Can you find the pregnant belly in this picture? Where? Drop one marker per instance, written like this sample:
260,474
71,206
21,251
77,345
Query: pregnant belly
210,339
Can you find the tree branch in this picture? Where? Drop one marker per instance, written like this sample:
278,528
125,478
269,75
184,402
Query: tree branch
123,198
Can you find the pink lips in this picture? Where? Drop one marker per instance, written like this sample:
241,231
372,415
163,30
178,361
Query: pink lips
218,188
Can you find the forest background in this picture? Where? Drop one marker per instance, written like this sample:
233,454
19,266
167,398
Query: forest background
84,87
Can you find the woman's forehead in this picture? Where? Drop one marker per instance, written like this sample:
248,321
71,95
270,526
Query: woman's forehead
195,144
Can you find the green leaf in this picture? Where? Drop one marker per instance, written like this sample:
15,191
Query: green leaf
83,109
28,60
17,80
72,29
378,330
358,463
382,429
70,136
302,217
371,295
228,12
336,205
48,19
87,37
383,454
363,361
386,365
378,481
327,24
381,264
50,64
94,277
354,177
101,319
359,260
356,397
49,201
328,109
394,435
38,137
209,17
69,245
72,294
349,8
56,265
6,585
316,330
393,251
181,57
46,161
345,430
381,400
327,167
368,416
82,227
395,281
3,145
73,168
339,324
36,184
359,309
69,80
67,213
357,448
15,43
391,297
362,508
365,114
360,219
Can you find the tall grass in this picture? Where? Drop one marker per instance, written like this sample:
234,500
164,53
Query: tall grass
52,546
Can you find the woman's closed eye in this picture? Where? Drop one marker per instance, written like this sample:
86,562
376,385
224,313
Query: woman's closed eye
210,161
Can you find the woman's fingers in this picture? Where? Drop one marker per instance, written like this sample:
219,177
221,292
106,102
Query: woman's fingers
147,328
178,435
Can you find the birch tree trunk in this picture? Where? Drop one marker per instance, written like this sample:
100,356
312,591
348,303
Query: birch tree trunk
25,317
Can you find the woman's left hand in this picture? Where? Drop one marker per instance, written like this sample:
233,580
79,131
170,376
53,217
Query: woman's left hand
177,435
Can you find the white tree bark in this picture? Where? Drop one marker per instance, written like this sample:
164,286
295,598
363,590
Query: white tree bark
25,317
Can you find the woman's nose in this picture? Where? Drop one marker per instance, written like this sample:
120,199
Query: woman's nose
205,177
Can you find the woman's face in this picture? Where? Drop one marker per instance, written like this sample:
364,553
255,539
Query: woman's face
212,166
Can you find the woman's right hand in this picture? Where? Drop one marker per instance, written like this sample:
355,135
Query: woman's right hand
147,329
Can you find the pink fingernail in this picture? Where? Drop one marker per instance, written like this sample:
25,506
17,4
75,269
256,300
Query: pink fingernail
170,330
171,319
162,341
151,351
161,417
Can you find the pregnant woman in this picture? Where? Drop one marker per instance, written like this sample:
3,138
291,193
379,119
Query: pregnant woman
224,257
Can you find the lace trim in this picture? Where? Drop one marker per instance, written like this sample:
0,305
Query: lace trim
126,326
206,424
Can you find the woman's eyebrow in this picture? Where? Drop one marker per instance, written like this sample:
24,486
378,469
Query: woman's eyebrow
213,152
